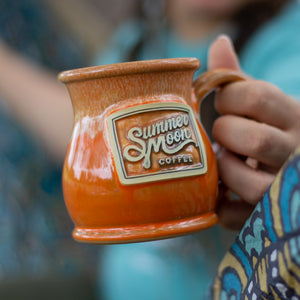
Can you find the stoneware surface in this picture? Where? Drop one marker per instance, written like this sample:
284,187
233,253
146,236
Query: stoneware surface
139,165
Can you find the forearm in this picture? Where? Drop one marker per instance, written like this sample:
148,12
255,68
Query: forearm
37,100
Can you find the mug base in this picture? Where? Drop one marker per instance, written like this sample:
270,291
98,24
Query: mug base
144,232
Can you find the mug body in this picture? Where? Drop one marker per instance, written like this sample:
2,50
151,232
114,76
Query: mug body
139,165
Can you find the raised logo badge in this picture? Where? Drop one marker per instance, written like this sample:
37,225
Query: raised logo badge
157,141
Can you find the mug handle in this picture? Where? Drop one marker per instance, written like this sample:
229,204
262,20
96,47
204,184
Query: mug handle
210,80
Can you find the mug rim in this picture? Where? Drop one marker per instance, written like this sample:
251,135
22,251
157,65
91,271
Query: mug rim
129,68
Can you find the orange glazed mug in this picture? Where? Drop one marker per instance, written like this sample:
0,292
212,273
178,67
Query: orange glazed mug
139,165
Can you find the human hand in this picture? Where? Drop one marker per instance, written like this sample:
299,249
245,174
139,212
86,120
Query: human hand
258,128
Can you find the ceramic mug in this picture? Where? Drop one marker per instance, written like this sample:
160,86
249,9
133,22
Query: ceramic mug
139,165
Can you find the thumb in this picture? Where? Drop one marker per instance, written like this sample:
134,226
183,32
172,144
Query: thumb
222,54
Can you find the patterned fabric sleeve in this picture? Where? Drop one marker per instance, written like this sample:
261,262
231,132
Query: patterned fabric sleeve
264,261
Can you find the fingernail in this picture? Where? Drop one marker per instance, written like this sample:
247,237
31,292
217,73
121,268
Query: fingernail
226,39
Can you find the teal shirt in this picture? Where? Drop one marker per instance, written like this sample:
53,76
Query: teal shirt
272,54
182,268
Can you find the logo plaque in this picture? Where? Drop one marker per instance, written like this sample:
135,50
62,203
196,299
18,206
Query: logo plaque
156,141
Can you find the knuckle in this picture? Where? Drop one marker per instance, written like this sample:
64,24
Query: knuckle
259,142
257,95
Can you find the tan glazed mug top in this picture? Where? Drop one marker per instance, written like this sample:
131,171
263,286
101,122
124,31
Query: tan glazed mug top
139,165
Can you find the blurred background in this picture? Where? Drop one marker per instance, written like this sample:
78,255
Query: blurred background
40,38
63,33
38,258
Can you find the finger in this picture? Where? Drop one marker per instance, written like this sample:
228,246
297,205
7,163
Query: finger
222,55
249,184
258,100
269,145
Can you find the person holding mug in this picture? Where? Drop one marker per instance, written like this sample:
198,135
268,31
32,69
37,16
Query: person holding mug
253,143
263,33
